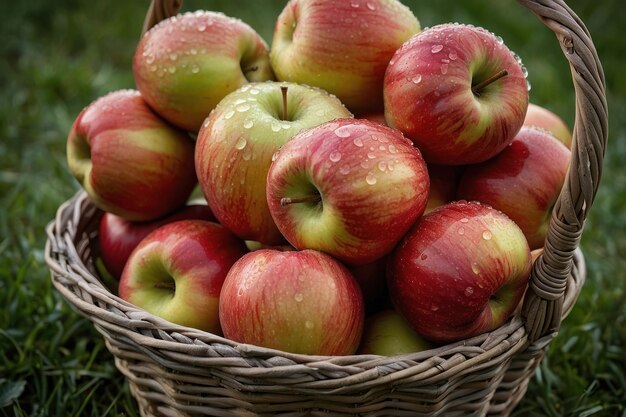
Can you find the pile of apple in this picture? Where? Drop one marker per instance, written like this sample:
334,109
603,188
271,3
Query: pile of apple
381,196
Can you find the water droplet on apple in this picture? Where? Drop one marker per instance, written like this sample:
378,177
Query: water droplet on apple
371,155
393,149
298,297
434,307
417,79
453,55
334,156
444,69
475,268
171,70
153,68
354,4
370,178
195,69
193,51
343,131
173,56
229,114
487,235
285,126
201,27
241,143
275,126
308,324
499,40
248,124
344,170
524,71
371,6
243,108
382,165
469,291
423,256
527,85
461,231
239,292
464,220
150,59
254,91
436,48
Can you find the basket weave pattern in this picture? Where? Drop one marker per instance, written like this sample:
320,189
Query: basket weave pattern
178,371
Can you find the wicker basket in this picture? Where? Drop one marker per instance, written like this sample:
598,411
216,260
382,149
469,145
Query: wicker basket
178,371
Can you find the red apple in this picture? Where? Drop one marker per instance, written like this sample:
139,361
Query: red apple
523,181
388,334
186,64
459,272
545,119
177,272
301,302
350,188
130,162
118,237
444,180
458,92
341,46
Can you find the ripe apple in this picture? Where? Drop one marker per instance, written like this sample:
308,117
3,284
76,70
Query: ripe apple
350,188
235,147
523,181
186,64
130,161
541,117
388,334
444,180
177,272
118,237
301,302
341,46
458,92
459,272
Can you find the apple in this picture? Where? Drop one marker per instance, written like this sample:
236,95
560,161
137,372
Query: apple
458,92
235,147
341,46
459,272
541,117
177,272
375,117
130,161
350,188
388,334
118,237
523,181
186,64
444,180
302,302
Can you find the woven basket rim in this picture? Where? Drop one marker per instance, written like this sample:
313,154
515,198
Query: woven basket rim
506,339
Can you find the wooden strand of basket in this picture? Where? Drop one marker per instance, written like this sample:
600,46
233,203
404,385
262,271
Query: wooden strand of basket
160,10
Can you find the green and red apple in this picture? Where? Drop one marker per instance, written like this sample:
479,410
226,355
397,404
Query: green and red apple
130,161
387,333
545,119
186,64
235,147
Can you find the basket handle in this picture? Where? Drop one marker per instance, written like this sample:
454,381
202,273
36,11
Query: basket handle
543,302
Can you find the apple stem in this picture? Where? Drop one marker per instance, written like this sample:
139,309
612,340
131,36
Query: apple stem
314,198
283,89
478,87
166,285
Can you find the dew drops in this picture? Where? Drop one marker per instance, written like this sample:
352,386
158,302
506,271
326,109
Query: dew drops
423,256
524,71
370,178
193,51
243,108
487,235
173,56
247,154
453,55
342,132
254,91
241,143
393,149
469,291
229,114
150,59
275,127
417,79
434,307
298,297
308,324
527,85
354,4
195,69
371,155
499,40
475,268
248,124
153,68
201,27
171,70
344,170
464,220
382,165
274,156
358,142
334,156
371,6
436,48
444,69
461,231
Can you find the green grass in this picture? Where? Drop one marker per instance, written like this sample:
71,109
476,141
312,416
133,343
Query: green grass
59,56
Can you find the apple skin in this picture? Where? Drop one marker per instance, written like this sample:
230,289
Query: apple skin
130,161
545,119
186,64
459,272
523,181
235,147
341,46
301,302
177,272
444,180
118,237
373,185
428,94
388,334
